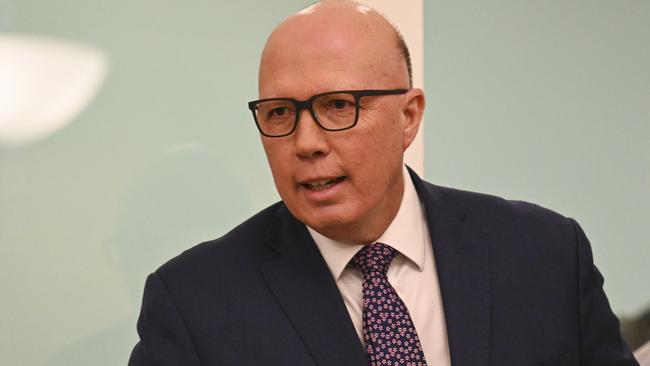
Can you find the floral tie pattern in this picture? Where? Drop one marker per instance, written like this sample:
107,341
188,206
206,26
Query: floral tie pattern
388,330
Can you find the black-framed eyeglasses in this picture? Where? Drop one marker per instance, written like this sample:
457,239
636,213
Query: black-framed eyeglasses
332,111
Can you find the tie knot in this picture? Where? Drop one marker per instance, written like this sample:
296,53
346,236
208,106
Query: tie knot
374,258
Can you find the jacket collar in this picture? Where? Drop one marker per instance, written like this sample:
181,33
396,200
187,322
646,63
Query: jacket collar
303,285
460,247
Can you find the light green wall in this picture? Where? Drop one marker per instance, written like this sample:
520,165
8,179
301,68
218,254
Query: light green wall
547,103
166,156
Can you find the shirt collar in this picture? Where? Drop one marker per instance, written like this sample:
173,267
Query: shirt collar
405,233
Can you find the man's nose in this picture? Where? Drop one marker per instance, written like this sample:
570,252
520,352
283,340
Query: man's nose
311,140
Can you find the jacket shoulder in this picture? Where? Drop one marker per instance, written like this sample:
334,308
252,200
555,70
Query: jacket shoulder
500,211
241,246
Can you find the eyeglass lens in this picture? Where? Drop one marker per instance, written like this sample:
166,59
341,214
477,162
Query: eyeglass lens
333,111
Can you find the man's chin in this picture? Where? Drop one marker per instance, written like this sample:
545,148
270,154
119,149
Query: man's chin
334,226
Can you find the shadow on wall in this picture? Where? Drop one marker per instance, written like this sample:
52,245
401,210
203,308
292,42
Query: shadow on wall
636,331
183,197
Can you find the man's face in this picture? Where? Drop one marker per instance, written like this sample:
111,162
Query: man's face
344,184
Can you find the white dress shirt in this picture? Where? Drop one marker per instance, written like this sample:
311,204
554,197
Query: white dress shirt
412,274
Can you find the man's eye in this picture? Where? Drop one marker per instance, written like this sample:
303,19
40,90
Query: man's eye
341,104
279,112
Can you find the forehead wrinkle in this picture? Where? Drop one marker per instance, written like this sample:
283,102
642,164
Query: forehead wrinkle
302,77
327,37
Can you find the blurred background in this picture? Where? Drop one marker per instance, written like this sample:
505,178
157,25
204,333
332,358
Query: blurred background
133,141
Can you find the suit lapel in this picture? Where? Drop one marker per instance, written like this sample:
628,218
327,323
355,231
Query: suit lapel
461,254
304,287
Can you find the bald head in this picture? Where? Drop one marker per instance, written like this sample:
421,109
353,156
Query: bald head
342,32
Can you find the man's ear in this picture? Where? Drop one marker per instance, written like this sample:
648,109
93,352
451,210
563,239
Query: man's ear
412,112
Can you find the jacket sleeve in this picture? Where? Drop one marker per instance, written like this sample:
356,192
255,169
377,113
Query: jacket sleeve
601,342
164,337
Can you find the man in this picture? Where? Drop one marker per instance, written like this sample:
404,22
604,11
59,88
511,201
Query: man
363,262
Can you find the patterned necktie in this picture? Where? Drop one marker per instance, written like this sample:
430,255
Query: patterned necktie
388,330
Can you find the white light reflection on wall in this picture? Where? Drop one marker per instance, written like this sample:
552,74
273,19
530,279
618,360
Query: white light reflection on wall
44,84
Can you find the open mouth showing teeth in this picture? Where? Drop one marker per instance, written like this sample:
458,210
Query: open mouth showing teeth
323,184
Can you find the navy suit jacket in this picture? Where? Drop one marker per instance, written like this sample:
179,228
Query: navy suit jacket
518,285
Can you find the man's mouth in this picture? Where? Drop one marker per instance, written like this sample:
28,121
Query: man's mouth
320,185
